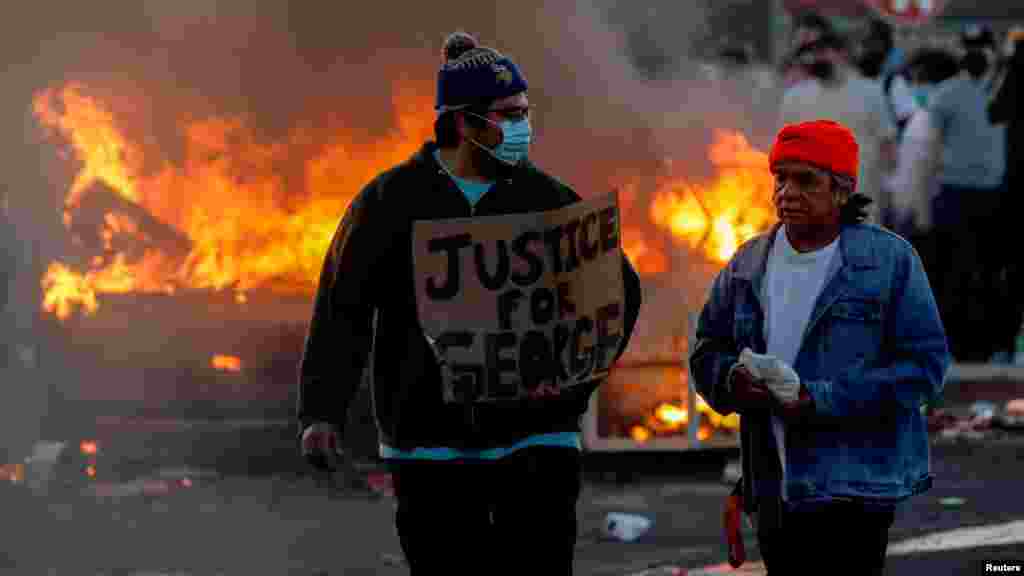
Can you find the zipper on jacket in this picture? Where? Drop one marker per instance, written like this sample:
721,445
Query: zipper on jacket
442,170
473,207
450,181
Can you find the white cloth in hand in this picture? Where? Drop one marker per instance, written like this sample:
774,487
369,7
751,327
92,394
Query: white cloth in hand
778,376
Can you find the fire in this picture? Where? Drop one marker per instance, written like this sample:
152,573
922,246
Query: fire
238,222
244,226
89,447
13,473
226,363
647,259
639,434
714,218
671,414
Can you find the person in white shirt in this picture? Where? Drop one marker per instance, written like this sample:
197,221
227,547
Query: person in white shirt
836,91
824,335
912,184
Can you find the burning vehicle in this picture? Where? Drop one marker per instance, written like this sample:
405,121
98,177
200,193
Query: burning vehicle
218,236
209,237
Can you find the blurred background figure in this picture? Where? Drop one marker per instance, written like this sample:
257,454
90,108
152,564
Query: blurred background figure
808,27
877,53
834,89
880,59
979,39
912,184
1004,110
970,176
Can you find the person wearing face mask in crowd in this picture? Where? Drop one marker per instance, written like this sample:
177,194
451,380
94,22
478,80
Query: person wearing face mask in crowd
835,90
972,153
808,27
468,480
912,184
980,39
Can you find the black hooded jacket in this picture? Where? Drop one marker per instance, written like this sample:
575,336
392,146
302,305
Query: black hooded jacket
367,279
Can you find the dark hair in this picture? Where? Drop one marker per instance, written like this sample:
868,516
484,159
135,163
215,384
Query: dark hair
855,210
975,62
881,31
875,48
813,21
829,40
931,65
974,36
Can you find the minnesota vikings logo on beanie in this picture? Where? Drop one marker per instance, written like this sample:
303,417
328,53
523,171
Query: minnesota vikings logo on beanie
823,143
471,74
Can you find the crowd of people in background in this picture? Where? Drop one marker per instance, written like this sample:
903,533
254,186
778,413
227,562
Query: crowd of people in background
940,153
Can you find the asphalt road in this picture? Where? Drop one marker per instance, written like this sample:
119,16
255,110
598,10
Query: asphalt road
192,522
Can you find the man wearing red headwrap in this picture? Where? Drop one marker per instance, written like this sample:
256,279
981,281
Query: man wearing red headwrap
824,335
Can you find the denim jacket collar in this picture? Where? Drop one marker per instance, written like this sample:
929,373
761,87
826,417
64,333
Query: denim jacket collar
856,251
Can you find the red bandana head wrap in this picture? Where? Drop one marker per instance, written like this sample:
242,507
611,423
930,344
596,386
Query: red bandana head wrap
823,143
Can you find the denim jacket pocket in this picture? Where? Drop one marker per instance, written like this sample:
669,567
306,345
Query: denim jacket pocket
854,332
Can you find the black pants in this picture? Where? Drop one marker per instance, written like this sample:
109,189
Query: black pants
836,539
1010,284
967,270
516,515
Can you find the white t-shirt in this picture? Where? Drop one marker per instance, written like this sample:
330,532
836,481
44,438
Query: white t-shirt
793,281
859,104
913,183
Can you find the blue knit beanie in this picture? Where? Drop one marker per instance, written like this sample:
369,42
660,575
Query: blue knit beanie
472,74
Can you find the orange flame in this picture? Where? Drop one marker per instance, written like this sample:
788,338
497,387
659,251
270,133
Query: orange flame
245,229
228,197
713,218
226,363
671,414
639,434
89,447
717,217
647,259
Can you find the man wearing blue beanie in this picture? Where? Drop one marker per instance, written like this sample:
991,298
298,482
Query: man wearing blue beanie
473,481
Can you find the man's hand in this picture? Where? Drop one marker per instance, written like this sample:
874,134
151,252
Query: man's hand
798,409
321,446
748,392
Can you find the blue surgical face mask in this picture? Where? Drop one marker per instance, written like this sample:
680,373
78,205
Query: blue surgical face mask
920,94
515,142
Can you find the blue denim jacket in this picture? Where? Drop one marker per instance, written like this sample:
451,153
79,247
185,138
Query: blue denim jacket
873,353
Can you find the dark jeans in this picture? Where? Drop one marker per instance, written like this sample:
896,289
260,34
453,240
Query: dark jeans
842,538
516,515
1011,281
967,270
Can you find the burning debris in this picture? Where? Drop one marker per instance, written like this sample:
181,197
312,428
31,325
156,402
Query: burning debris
224,220
711,219
227,203
226,363
238,211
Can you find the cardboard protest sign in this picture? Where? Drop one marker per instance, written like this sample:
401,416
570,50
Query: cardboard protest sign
521,305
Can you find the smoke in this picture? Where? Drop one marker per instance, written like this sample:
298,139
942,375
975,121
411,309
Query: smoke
613,82
615,88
